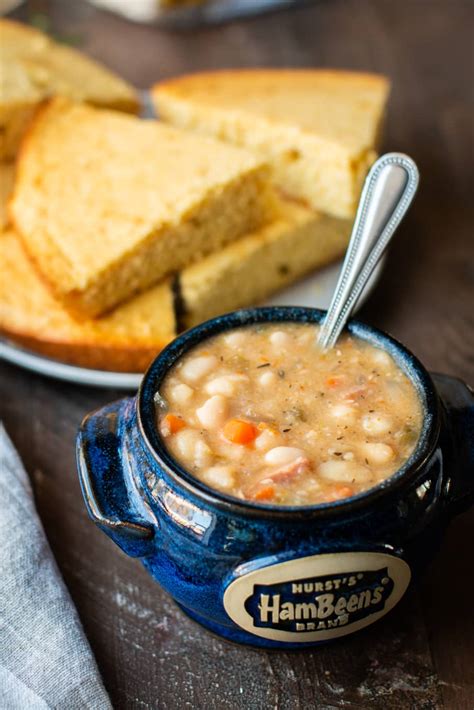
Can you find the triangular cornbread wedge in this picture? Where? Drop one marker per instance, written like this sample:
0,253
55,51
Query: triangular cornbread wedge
126,340
241,274
319,128
108,204
252,268
34,67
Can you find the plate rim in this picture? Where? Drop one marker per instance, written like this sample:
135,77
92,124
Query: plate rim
60,370
40,364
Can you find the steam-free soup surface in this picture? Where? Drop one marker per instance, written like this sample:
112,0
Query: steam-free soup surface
262,414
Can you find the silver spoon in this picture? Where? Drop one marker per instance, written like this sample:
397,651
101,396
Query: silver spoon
388,191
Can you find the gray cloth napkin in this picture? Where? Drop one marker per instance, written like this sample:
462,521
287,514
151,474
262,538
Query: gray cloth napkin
45,659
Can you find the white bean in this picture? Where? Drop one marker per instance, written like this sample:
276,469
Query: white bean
377,453
266,440
280,339
197,367
220,476
381,358
344,471
226,450
376,424
185,442
283,454
202,454
343,412
267,378
225,384
191,446
181,394
213,412
236,339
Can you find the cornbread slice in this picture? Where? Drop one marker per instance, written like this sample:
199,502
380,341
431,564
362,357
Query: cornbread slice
251,269
126,340
34,67
7,173
108,204
318,128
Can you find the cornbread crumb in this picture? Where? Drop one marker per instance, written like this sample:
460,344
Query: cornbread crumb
107,204
34,67
318,128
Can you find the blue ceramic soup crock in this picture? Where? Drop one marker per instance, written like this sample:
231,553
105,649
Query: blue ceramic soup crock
281,577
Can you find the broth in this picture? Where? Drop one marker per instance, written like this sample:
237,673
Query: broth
262,414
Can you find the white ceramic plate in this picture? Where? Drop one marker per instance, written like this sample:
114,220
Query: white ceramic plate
316,290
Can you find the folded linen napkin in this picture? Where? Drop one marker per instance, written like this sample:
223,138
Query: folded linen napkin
45,659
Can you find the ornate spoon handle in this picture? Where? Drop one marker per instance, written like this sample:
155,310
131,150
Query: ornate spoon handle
388,191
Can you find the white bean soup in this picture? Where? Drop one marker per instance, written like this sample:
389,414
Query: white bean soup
262,414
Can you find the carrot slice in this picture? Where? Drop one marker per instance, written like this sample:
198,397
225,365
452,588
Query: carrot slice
240,432
265,493
171,424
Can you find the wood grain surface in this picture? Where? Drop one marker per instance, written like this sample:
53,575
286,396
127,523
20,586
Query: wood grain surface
422,655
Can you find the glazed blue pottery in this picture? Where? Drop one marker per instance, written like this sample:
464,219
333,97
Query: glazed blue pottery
265,575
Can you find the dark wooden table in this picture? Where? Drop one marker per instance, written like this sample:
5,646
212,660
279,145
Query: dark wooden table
422,655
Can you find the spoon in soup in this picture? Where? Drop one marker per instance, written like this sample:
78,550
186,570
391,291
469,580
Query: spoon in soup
387,193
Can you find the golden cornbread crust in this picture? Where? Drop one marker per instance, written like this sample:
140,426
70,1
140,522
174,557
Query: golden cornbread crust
35,67
125,341
107,204
7,175
319,129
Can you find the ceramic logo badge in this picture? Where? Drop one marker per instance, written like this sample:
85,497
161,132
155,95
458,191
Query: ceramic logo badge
316,598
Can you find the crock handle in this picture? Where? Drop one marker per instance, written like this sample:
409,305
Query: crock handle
108,501
458,399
